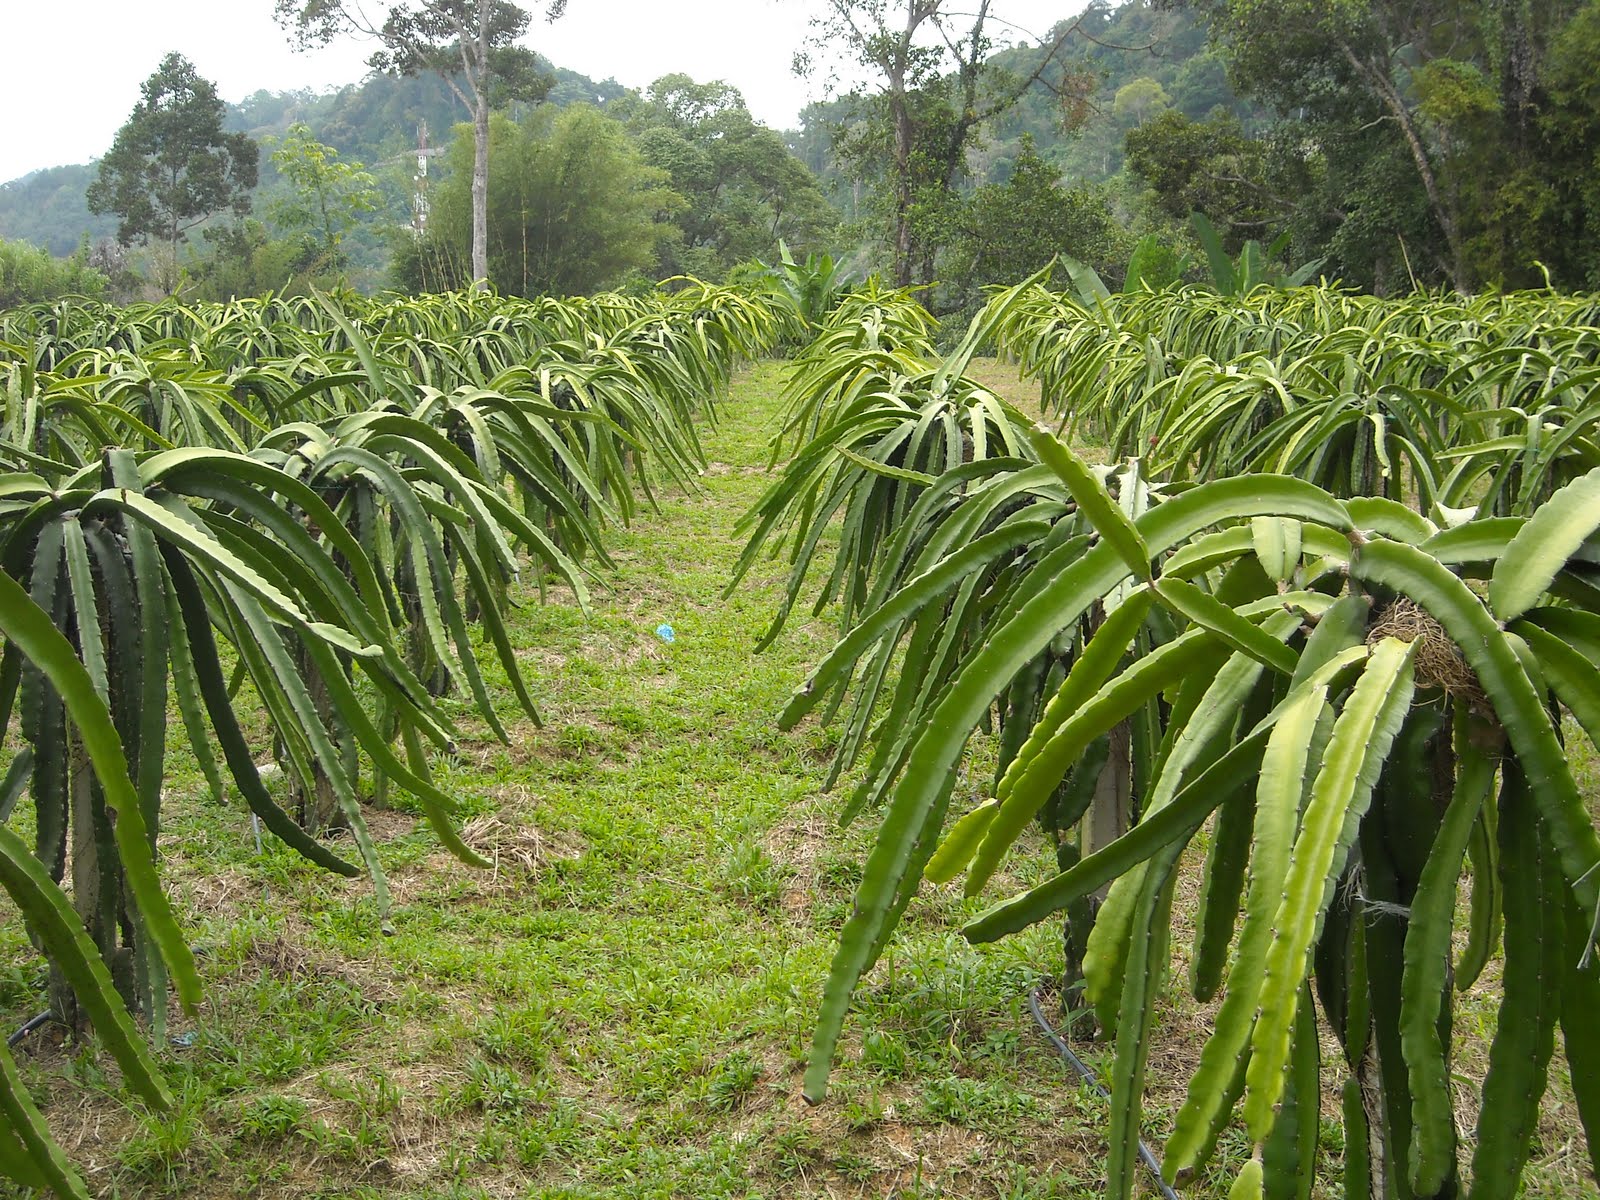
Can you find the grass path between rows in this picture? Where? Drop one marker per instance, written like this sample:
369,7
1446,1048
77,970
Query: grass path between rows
621,1008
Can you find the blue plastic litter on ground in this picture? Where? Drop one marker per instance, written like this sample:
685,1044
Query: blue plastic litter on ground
664,632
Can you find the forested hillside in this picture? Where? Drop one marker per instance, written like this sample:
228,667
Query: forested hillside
1128,64
1390,145
47,208
710,187
1133,63
374,122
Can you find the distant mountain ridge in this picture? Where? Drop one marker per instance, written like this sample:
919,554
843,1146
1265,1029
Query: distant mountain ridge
47,208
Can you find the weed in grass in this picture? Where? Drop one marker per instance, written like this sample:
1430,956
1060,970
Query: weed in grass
793,1152
20,983
270,1117
82,1069
918,1188
454,1191
863,1112
627,718
1063,1185
750,875
857,1168
519,1035
578,741
553,1134
884,1053
990,1105
494,1088
376,1093
735,1079
336,1141
495,1142
167,1147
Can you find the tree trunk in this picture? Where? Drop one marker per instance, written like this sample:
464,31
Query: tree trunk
903,134
896,66
480,191
170,283
1383,87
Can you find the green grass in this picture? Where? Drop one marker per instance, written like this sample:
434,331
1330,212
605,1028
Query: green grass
620,1008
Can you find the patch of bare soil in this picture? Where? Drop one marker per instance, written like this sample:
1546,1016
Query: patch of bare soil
518,850
1005,380
798,844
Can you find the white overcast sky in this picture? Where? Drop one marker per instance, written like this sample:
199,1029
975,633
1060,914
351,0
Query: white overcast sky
73,67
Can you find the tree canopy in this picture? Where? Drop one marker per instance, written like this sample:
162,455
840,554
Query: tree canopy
1012,229
743,190
1211,166
1456,139
327,196
573,208
1396,142
171,165
934,86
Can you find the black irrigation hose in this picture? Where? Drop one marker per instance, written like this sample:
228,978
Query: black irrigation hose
32,1023
1077,1064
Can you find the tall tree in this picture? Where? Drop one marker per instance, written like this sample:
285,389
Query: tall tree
328,195
1012,229
1211,167
936,90
1568,154
471,44
171,165
1330,51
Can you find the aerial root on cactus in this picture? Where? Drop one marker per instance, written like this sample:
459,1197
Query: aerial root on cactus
1438,662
